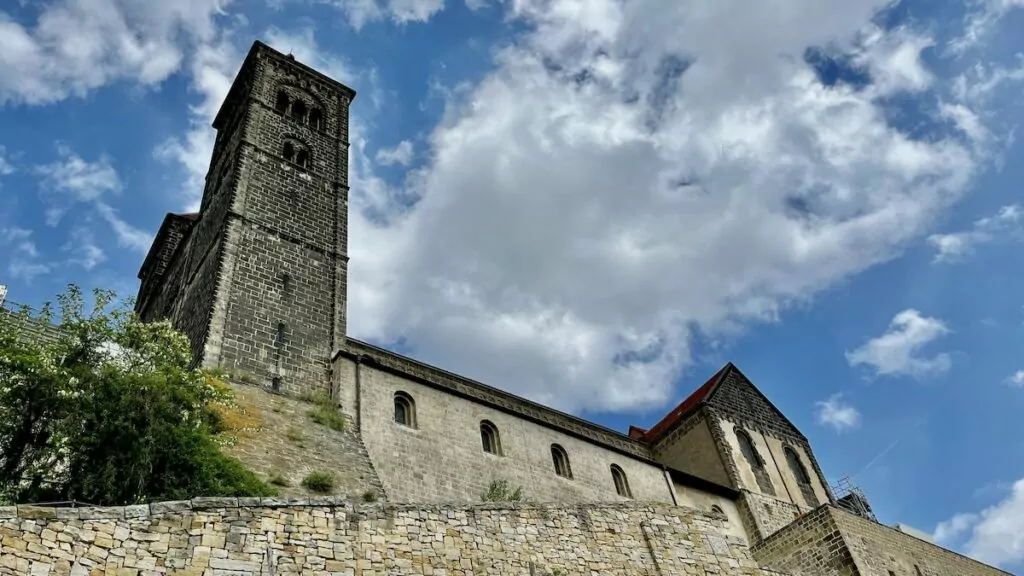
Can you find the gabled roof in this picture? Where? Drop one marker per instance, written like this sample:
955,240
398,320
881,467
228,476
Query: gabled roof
706,394
674,417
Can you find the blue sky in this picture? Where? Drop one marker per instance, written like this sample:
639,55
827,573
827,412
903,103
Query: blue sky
596,203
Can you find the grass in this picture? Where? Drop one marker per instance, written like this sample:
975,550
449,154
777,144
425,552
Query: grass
325,413
319,481
369,496
278,480
295,435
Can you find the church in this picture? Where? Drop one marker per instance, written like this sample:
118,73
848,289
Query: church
257,280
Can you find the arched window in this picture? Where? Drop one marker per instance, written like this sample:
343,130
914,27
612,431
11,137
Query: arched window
489,438
748,450
288,152
796,466
282,102
299,110
316,118
561,461
405,410
302,158
621,484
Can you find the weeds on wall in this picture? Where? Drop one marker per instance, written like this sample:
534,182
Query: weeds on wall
500,491
369,496
319,481
325,413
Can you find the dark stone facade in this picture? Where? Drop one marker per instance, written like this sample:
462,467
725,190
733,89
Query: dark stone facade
257,278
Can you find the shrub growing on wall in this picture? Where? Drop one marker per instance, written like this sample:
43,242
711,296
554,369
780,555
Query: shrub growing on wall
108,412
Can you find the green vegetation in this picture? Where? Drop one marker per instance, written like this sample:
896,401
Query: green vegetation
319,481
109,412
369,496
279,480
295,435
325,413
500,491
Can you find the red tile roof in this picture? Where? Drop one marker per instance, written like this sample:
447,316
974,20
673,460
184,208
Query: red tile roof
682,410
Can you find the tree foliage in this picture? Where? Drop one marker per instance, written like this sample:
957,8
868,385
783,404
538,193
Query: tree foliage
108,410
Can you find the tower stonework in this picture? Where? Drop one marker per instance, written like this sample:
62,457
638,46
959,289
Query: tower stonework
257,278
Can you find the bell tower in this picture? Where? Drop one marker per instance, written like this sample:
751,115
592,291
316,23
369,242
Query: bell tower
257,278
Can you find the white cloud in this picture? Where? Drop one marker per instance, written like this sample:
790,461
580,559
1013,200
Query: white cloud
896,352
83,249
995,535
630,172
360,12
75,46
836,413
6,167
955,246
400,154
81,180
127,235
23,262
982,18
72,179
212,68
1017,379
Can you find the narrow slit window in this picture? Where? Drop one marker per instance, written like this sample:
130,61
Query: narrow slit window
316,118
288,153
489,438
621,484
302,159
561,461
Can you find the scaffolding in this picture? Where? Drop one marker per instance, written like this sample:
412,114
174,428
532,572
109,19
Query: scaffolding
850,497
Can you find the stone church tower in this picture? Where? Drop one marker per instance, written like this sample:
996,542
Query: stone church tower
257,277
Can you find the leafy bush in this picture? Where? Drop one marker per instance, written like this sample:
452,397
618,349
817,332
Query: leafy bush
325,413
108,411
319,481
369,496
499,491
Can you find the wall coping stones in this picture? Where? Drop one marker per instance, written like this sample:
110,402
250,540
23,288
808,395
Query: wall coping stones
30,512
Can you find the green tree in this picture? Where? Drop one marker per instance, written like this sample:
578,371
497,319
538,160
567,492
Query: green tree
107,410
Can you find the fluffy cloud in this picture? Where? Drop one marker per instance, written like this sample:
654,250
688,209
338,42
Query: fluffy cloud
73,180
631,172
78,45
995,535
956,245
836,413
896,352
400,154
360,12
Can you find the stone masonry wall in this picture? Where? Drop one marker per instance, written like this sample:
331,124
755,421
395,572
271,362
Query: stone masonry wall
279,441
331,537
442,458
764,515
830,541
691,448
810,546
884,551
